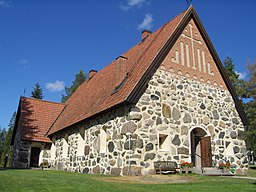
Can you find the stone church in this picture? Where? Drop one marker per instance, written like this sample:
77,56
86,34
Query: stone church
167,98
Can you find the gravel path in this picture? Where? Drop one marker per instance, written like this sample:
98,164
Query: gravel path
150,179
240,177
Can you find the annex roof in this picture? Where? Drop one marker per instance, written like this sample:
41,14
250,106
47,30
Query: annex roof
34,118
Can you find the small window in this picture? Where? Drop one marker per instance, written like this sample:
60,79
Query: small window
80,146
164,142
53,151
65,148
103,141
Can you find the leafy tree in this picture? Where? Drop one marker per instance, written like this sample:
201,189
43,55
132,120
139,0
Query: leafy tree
79,79
37,92
7,149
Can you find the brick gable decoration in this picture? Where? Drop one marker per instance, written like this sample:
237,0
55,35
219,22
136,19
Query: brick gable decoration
158,101
191,57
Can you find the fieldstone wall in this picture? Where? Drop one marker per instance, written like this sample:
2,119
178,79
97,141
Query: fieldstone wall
129,139
21,152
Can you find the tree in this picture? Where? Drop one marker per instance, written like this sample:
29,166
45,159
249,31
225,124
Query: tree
251,67
37,92
239,85
2,137
246,92
79,79
250,106
7,149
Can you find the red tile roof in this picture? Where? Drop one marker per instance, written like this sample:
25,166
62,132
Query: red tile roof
98,94
120,81
36,117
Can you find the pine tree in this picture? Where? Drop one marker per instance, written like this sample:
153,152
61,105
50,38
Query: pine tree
79,79
239,85
2,137
250,106
7,149
245,90
37,92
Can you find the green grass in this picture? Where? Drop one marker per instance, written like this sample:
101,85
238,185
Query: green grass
252,172
37,180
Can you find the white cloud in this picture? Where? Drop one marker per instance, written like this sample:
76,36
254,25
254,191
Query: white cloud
23,61
56,86
4,3
128,4
147,22
25,64
242,75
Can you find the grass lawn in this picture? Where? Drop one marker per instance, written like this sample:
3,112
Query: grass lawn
252,171
38,180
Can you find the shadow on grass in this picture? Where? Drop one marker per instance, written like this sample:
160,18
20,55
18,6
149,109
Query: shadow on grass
10,168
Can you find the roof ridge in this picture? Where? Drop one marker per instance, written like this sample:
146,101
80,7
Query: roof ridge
41,100
156,32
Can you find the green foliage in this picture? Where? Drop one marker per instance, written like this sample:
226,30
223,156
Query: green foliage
7,150
251,106
239,85
2,137
79,79
251,138
245,89
37,92
251,67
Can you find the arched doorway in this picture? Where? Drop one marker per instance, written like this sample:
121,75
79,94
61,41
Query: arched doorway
201,154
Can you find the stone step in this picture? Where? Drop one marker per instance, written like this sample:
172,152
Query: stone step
211,171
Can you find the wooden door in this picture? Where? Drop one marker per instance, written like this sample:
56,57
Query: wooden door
34,156
193,148
206,152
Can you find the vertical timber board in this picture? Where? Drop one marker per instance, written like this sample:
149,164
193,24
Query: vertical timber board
206,151
193,148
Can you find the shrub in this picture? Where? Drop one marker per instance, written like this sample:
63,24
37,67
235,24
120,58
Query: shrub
186,164
224,165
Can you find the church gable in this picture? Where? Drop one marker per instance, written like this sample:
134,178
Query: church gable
190,57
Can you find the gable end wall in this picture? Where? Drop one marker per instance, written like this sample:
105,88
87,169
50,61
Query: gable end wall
172,105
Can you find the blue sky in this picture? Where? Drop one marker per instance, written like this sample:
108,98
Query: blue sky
49,41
